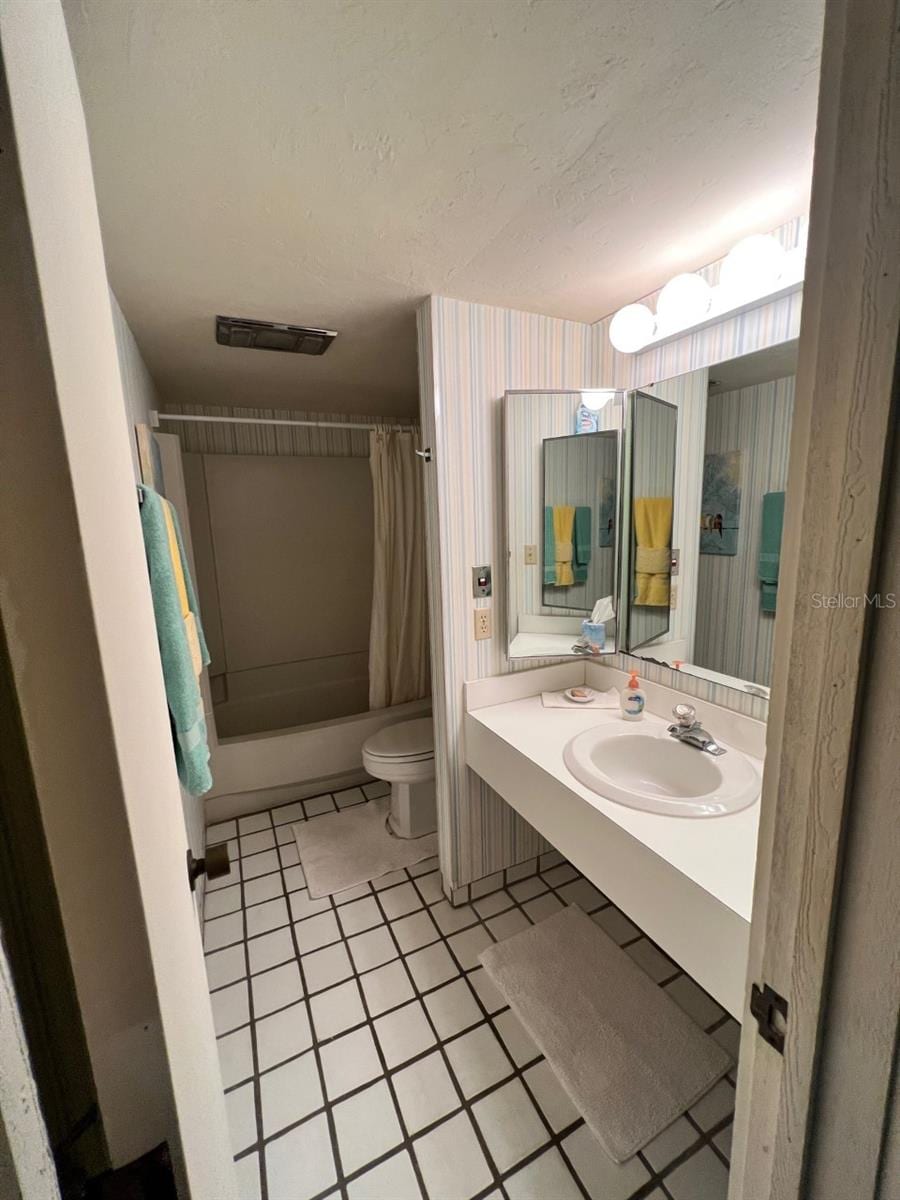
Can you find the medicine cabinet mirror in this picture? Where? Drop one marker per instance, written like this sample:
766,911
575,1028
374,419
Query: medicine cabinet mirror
563,492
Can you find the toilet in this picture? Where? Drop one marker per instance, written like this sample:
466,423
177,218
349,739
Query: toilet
403,756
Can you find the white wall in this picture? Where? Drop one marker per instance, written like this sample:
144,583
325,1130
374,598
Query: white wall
27,1171
287,580
138,387
76,608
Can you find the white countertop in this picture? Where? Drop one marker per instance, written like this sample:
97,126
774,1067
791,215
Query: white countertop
716,853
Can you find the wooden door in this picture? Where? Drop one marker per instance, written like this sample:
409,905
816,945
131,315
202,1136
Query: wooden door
834,542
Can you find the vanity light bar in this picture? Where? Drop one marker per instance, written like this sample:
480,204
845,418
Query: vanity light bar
757,268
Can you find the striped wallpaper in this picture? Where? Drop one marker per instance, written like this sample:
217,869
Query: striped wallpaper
469,355
734,635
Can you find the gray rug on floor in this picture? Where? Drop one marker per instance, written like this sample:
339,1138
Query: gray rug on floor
628,1056
343,849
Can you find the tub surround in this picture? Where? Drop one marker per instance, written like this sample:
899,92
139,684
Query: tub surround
687,883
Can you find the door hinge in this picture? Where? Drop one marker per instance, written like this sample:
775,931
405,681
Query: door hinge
766,1006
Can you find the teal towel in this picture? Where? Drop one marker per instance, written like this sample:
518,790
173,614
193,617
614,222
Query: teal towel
581,548
182,689
770,548
549,548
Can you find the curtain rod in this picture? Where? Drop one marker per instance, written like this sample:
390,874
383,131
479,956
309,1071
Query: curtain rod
156,417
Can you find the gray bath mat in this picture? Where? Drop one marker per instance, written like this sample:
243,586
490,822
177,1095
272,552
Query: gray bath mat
345,848
628,1056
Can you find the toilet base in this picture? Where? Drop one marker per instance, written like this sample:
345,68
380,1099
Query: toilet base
413,809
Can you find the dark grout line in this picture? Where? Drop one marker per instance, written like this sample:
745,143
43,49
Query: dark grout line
329,1117
466,1105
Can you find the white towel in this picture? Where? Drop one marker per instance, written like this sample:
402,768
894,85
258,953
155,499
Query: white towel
608,699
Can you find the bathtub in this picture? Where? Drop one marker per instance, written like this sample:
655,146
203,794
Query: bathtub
258,770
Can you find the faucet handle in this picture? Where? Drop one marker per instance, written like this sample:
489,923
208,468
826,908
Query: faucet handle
685,715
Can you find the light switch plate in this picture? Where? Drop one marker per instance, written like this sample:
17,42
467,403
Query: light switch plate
531,556
482,624
481,582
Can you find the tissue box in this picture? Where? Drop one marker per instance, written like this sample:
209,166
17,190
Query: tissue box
594,633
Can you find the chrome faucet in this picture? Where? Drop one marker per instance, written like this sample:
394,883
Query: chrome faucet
689,730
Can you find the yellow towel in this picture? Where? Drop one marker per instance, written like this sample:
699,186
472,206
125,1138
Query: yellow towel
190,628
563,530
653,532
190,622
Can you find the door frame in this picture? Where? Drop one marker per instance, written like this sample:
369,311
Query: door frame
824,738
76,608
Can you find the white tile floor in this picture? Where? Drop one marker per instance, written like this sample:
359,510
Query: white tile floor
366,1055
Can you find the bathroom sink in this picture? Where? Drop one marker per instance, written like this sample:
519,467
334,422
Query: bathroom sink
646,769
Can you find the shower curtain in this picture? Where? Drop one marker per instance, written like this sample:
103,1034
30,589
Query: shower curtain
398,643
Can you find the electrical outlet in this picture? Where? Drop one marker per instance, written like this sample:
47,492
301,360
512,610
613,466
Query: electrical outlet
673,595
482,624
531,556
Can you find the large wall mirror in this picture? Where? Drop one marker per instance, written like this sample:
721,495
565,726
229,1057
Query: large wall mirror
563,490
708,460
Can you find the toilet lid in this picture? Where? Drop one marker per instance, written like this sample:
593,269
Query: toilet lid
411,739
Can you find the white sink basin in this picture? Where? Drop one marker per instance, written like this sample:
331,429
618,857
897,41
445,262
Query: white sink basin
643,767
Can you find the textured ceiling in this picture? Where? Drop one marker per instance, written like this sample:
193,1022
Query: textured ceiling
331,162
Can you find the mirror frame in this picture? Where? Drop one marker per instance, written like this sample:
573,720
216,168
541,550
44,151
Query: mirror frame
627,522
512,619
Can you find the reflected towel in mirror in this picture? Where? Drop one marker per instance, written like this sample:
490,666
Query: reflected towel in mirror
582,556
770,548
653,533
563,532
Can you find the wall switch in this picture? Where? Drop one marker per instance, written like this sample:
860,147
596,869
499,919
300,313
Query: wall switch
481,582
482,624
531,556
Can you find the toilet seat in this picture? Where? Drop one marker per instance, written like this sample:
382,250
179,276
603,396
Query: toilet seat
408,742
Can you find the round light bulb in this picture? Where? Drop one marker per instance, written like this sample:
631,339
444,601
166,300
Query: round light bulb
753,267
596,400
684,301
632,328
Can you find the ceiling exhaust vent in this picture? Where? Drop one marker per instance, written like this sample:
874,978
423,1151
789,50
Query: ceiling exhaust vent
270,335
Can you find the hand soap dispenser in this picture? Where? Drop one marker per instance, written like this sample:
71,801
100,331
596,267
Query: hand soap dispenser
632,700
